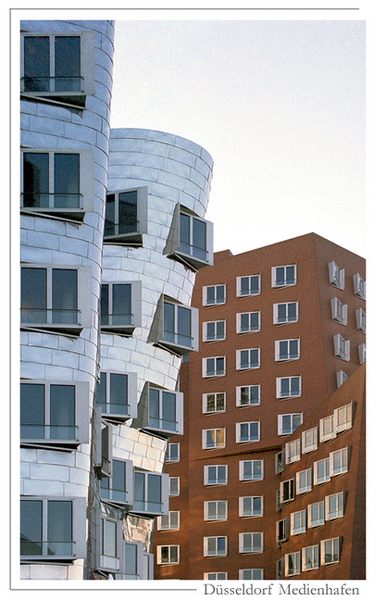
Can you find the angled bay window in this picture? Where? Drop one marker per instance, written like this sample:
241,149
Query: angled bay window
121,309
251,542
251,470
53,414
303,481
309,440
248,358
339,461
116,394
248,322
292,451
338,311
151,493
285,312
289,387
341,347
213,331
286,424
52,529
175,326
251,506
55,298
213,294
322,471
117,488
287,349
213,366
161,410
213,438
248,432
58,66
214,402
126,217
190,239
215,474
336,275
327,429
283,276
343,417
359,286
248,395
298,522
248,285
360,317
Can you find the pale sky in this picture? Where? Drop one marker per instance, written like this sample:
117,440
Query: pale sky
280,106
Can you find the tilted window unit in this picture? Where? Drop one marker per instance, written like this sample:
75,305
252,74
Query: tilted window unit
309,440
248,322
160,411
213,366
360,317
248,358
116,394
215,545
336,275
175,326
121,309
248,432
286,350
117,487
310,557
251,542
215,510
359,286
315,512
151,493
292,564
126,217
289,387
190,239
213,331
250,506
172,452
213,402
341,347
215,474
169,522
338,311
213,438
330,551
251,470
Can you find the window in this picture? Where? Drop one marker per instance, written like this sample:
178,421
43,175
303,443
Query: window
162,410
51,299
150,493
335,275
216,474
251,506
218,575
310,557
174,486
104,445
287,349
248,358
280,568
117,487
334,506
292,564
213,331
251,470
343,418
360,317
58,66
309,440
177,326
248,432
133,562
213,294
251,574
339,462
248,285
212,403
213,438
248,322
359,285
53,414
304,481
168,555
213,366
216,510
292,451
362,353
288,387
57,183
172,452
338,311
250,542
120,307
321,471
171,521
285,312
282,528
298,522
283,276
190,239
109,547
48,528
327,428
316,514
126,217
330,550
287,490
215,545
277,501
248,395
288,423
341,347
279,462
341,377
116,394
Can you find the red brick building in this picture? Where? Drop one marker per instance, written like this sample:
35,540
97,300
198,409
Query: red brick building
281,328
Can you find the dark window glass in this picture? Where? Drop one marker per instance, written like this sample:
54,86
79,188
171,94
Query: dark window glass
154,407
105,304
31,530
244,322
185,233
119,481
33,295
105,447
139,490
131,566
118,393
280,276
121,304
101,389
66,181
62,412
169,326
67,64
65,296
184,326
35,180
32,408
109,540
154,492
127,213
199,239
220,294
211,331
110,215
292,311
169,411
210,295
59,525
36,64
290,274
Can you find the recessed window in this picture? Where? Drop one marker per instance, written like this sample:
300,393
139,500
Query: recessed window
116,394
248,322
216,510
341,377
287,350
330,550
217,575
248,432
298,522
360,317
213,438
282,530
248,285
334,506
341,347
286,424
343,418
121,307
174,486
251,506
279,462
338,311
321,471
292,451
285,312
172,452
126,217
251,470
215,545
190,240
309,440
213,294
310,557
161,410
251,542
287,490
339,462
327,428
359,285
150,493
283,276
248,358
169,522
213,403
253,574
336,275
316,514
215,474
213,331
116,488
288,387
304,481
292,564
213,366
168,555
248,395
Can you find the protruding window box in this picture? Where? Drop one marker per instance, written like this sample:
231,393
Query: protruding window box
117,488
126,217
151,493
53,414
121,307
190,239
161,411
133,562
103,432
175,326
116,395
109,546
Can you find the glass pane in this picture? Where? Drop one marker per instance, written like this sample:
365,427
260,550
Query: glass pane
118,393
36,64
110,215
131,559
280,279
154,407
185,233
127,212
35,179
31,533
254,321
59,524
67,63
104,304
119,481
154,492
169,326
292,311
33,295
256,465
199,239
66,181
62,412
293,348
139,489
282,313
109,538
65,296
290,274
244,322
184,326
32,408
100,389
169,416
122,314
244,286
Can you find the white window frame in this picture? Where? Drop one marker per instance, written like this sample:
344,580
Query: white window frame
218,514
341,377
335,544
279,462
217,397
287,357
359,286
219,432
169,522
169,453
279,392
325,476
343,417
298,522
360,317
336,275
171,560
249,424
280,419
176,480
282,530
250,365
277,321
362,353
287,486
314,560
274,282
242,464
343,459
217,337
251,514
250,328
215,538
217,467
338,311
255,574
292,451
217,576
337,500
250,293
309,440
327,430
341,347
320,519
303,487
205,294
218,371
296,564
257,548
248,388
